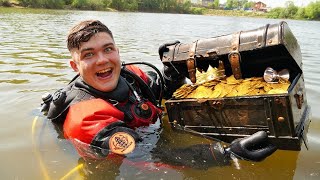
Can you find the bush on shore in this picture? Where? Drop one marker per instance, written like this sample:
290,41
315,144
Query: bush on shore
88,4
50,4
172,6
5,3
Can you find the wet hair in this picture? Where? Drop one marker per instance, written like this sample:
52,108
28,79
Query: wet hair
83,31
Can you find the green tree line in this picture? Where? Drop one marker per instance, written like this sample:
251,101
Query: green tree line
173,6
311,11
290,11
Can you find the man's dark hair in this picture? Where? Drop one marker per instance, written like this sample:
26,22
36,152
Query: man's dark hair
83,31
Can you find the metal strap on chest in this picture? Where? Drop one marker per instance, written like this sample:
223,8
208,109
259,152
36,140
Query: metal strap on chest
191,62
234,56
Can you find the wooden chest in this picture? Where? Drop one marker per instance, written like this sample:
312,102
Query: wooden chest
285,116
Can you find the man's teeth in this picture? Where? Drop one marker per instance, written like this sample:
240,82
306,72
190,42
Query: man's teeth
104,71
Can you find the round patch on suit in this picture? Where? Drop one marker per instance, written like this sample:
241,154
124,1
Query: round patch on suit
121,143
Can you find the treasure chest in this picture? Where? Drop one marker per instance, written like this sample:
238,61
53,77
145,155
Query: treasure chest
261,53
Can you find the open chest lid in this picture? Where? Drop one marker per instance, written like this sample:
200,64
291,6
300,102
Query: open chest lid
244,54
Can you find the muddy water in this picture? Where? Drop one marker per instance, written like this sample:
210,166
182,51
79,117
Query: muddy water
34,59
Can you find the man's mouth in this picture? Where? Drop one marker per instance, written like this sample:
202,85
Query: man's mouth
104,73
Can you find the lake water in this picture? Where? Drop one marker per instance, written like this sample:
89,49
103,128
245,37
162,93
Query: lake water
34,60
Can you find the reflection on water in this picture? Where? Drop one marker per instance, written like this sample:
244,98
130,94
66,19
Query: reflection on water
34,59
15,81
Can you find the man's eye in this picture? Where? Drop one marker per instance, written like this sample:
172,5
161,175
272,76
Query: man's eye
88,55
108,49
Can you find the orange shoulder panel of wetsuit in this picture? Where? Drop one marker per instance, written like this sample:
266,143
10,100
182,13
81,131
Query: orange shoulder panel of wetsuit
139,72
86,118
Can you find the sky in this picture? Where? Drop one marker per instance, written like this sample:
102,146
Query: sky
279,3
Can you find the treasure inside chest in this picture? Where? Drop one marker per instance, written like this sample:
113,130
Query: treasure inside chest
258,54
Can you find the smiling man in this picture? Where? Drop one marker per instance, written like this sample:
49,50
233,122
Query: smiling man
97,60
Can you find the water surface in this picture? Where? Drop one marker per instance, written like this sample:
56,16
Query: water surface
34,60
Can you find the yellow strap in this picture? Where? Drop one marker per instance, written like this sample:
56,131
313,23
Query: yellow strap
72,171
38,156
36,152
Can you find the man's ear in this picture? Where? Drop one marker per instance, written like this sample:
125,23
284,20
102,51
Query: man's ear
73,65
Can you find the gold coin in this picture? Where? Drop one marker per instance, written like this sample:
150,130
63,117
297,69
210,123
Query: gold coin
210,83
258,85
261,91
191,95
202,92
232,80
258,79
243,88
217,91
277,91
247,79
184,90
254,92
233,92
226,89
283,86
267,87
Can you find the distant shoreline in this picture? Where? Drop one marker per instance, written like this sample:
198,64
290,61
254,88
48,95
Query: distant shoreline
206,12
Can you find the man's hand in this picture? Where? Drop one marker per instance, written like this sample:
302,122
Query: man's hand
254,148
120,140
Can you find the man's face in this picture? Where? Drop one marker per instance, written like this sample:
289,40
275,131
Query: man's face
98,62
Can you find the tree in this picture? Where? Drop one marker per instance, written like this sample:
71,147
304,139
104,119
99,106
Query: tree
235,4
230,4
167,5
312,11
301,14
53,4
215,4
79,4
241,3
290,10
249,4
125,5
275,12
149,5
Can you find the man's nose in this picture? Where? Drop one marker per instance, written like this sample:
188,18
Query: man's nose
102,58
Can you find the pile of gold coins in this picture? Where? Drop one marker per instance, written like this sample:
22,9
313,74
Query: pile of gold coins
229,87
